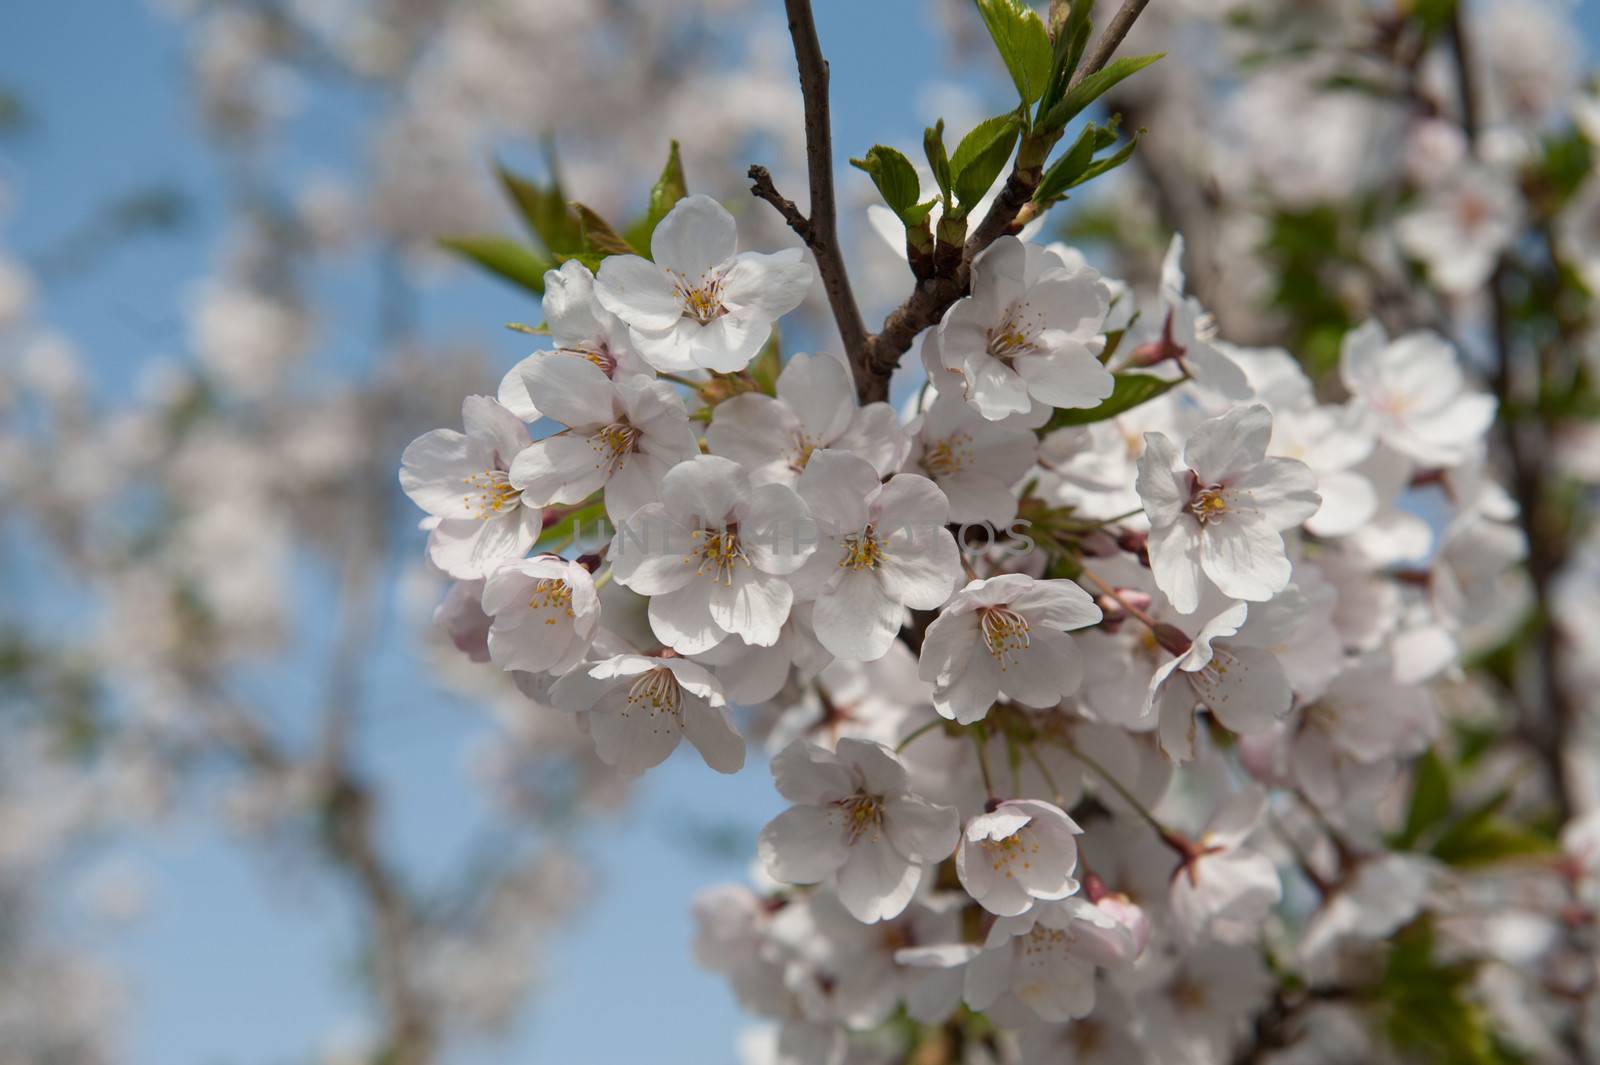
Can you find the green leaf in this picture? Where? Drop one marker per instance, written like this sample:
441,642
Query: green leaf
1092,88
1129,390
938,160
1068,170
981,155
669,188
1110,162
543,209
586,519
1023,43
895,178
1426,1005
504,258
1482,837
1067,51
1430,800
598,236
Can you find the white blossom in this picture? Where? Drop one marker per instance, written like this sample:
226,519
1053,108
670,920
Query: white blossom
1020,851
881,547
1030,331
698,302
854,815
463,480
1005,637
1219,512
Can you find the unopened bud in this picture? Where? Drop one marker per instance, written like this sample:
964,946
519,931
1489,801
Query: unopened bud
1173,639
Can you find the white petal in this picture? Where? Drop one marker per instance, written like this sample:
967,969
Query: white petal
711,731
696,237
876,882
639,292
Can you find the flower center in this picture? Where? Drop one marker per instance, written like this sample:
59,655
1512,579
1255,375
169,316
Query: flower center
804,447
551,593
490,493
1005,633
598,354
657,692
614,444
1004,852
863,813
702,298
1015,334
1206,501
862,550
950,455
719,553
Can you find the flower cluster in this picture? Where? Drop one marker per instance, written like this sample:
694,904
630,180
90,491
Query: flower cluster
1062,689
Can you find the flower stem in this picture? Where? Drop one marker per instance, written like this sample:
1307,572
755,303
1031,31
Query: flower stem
1044,771
919,730
1148,621
1167,835
980,738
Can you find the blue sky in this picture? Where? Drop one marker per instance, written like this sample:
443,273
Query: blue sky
239,960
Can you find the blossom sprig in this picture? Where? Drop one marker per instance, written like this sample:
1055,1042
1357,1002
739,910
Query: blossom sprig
1082,667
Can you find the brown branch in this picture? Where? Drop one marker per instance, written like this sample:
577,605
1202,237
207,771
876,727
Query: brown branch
762,188
933,296
1551,714
820,230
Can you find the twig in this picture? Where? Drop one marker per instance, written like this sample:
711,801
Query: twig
820,230
763,189
934,295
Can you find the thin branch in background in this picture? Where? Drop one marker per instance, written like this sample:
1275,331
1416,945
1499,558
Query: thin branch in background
820,229
1548,713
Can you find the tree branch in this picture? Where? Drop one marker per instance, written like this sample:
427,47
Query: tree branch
933,296
820,230
1551,713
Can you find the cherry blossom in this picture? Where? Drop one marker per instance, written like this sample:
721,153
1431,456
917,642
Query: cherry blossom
881,547
698,302
1412,391
579,326
815,408
853,815
637,708
1218,513
463,480
622,436
1020,851
714,554
1005,637
545,613
1030,331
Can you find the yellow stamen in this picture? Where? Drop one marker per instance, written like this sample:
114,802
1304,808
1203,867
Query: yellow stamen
492,494
862,550
1005,633
719,553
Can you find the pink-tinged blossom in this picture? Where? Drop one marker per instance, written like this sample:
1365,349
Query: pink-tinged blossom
714,555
